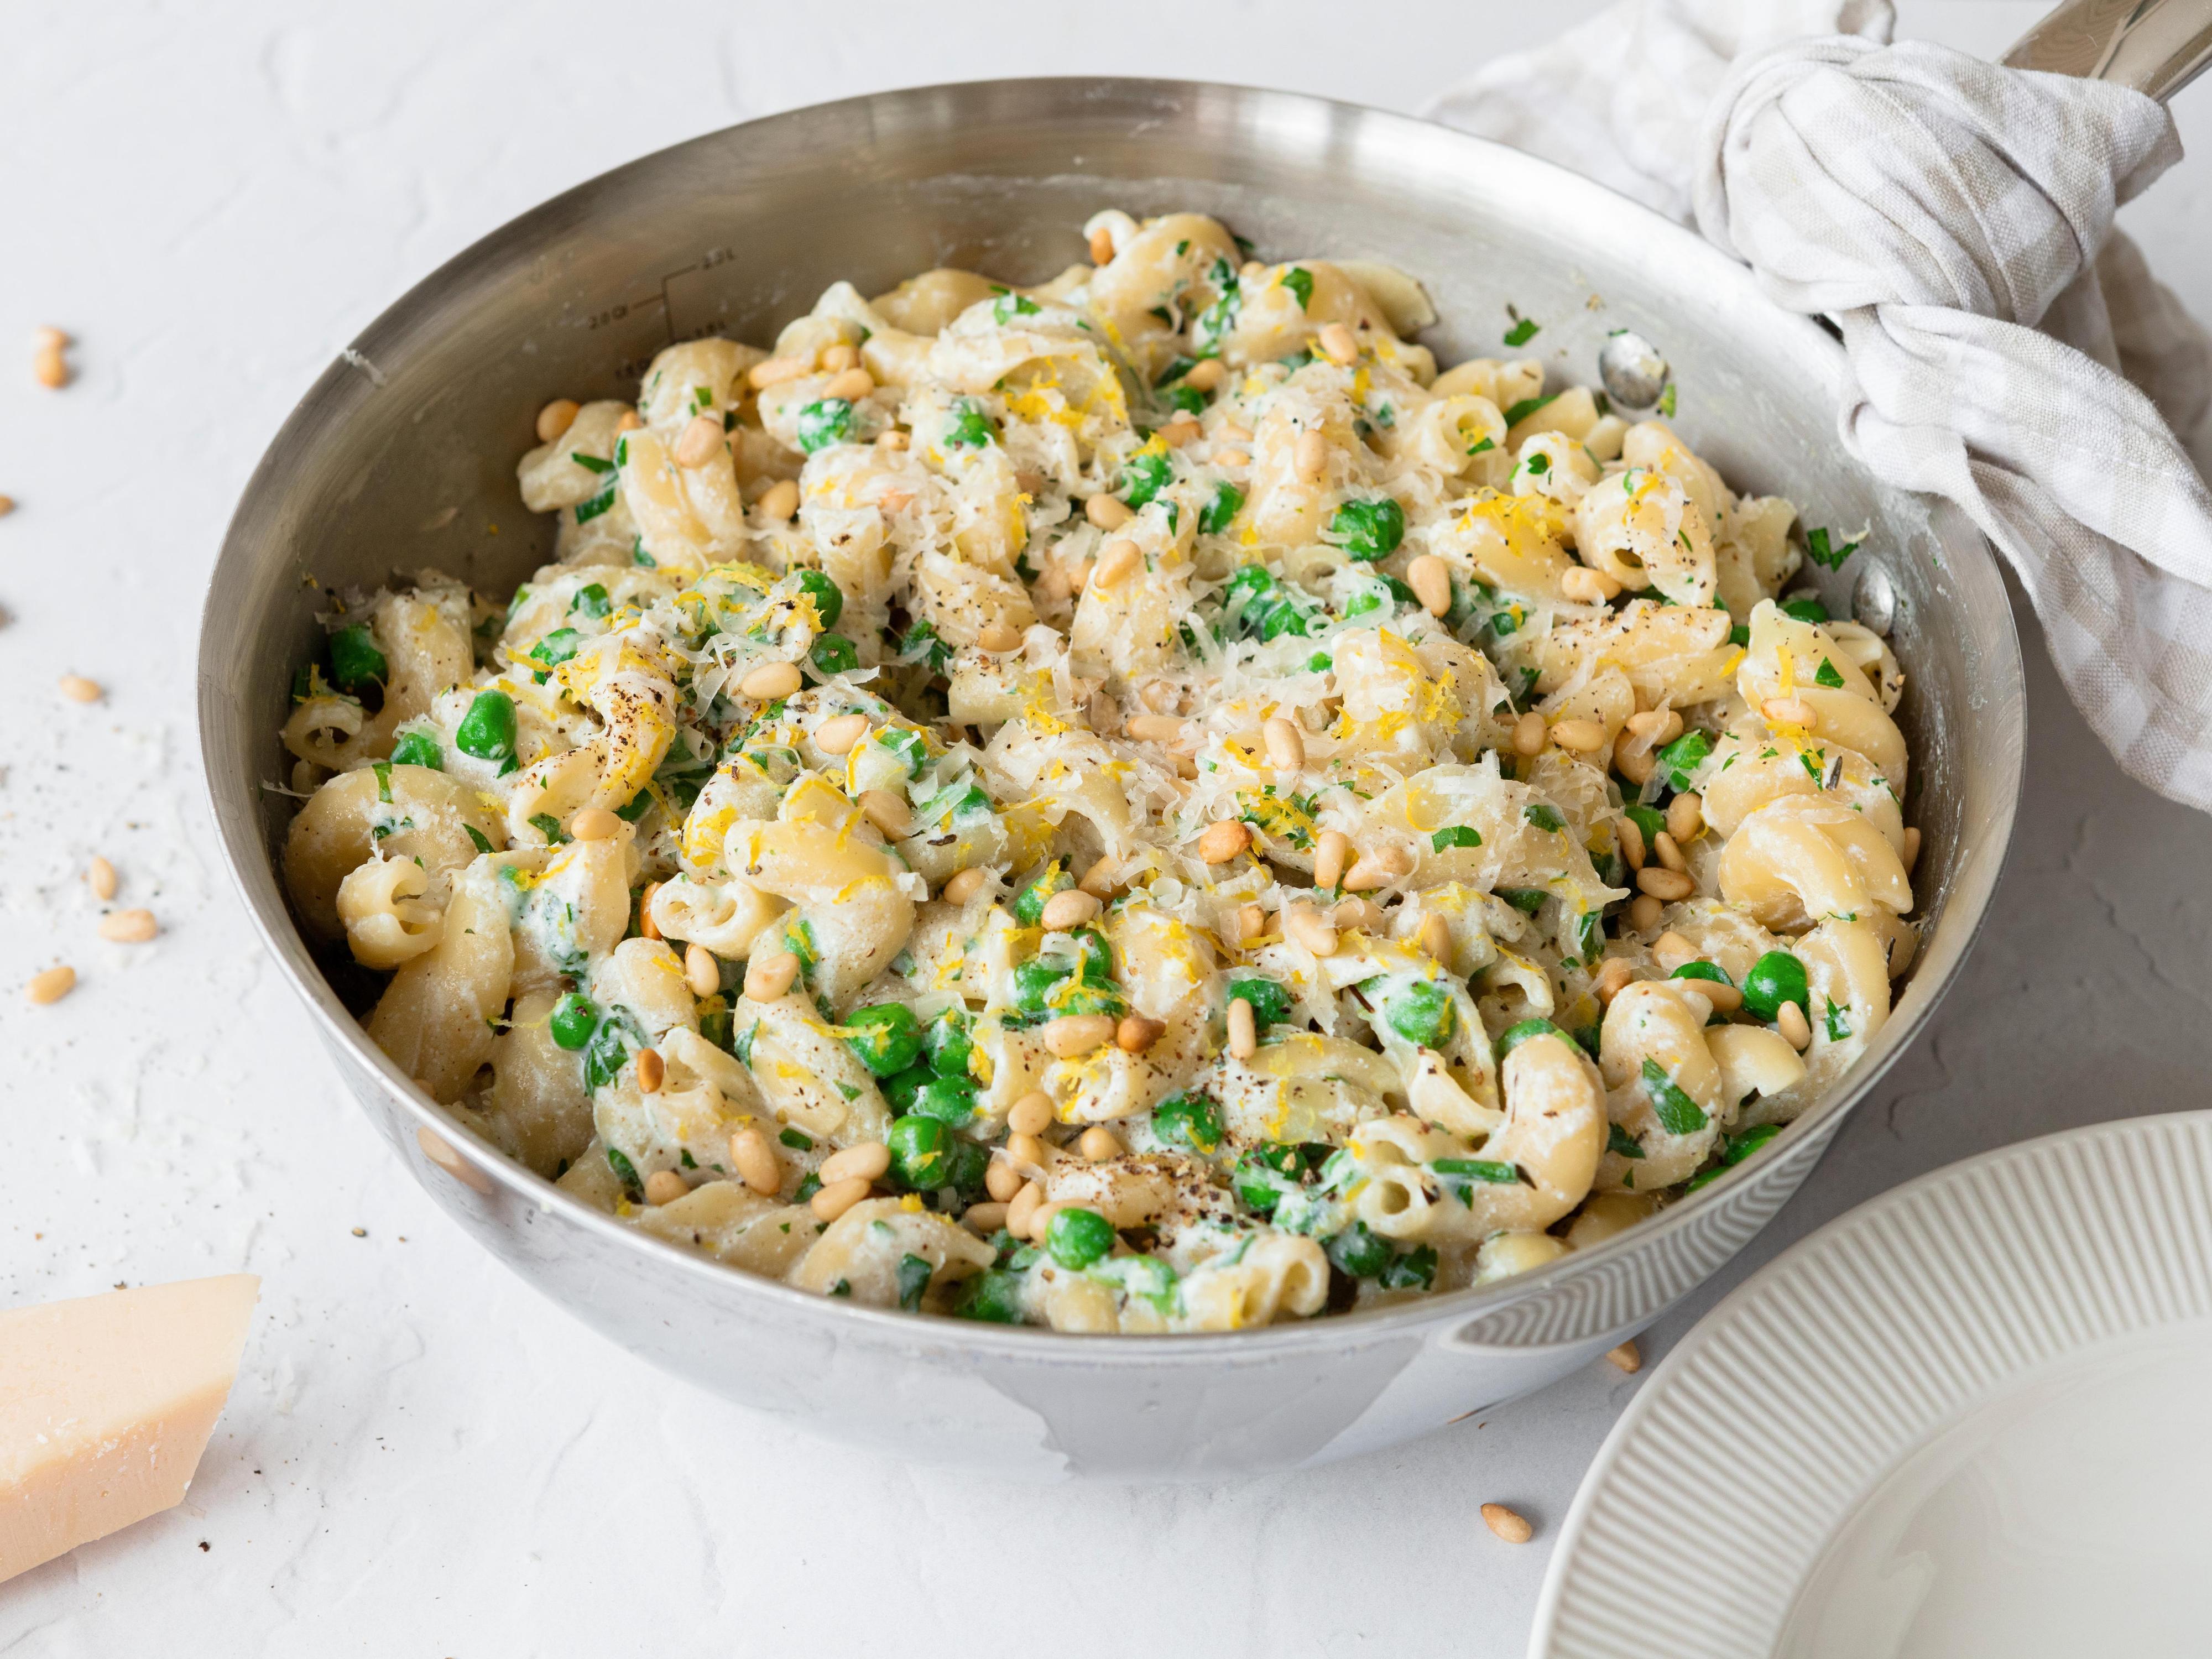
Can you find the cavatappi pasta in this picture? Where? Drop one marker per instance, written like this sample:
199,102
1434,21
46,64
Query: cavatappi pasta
1132,804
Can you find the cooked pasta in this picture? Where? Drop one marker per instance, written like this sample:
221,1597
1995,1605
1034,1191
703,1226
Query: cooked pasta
1133,805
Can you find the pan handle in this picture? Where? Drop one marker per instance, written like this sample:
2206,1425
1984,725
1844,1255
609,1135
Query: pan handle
2156,46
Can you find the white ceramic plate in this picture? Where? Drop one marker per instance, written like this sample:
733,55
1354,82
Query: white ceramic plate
1968,1419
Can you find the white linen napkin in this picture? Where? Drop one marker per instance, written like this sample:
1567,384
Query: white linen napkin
2009,349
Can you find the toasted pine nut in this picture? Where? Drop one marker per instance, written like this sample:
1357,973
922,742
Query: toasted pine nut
7,505
780,499
1205,375
1098,879
593,824
1102,246
1667,885
1530,733
1309,455
1429,578
963,885
51,369
1070,909
1656,727
47,337
1108,512
985,1218
1643,912
1304,924
77,688
892,438
1613,977
833,1200
1337,343
776,370
1378,868
1911,854
1000,637
770,681
1078,1034
1628,1357
755,1162
555,419
1435,937
647,926
1286,744
1244,1030
1159,697
866,1160
837,735
629,422
128,926
1670,951
1791,1023
1002,1181
1137,1032
1179,431
701,972
1251,923
767,977
1232,459
889,812
1725,999
852,386
700,441
1685,815
1233,432
665,1186
1632,758
1098,1144
1154,728
1513,1528
1021,1214
1118,563
1587,587
836,359
1788,711
51,986
1223,841
1027,1150
1632,841
1669,851
1584,737
100,876
1331,853
1359,915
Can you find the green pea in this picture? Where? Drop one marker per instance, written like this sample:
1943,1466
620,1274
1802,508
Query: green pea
1356,1251
1028,903
828,598
1034,980
355,660
886,1036
1421,1013
994,1295
918,1149
1369,530
1271,1003
418,749
1516,1035
833,653
968,1165
949,1100
1145,476
902,1088
827,421
1077,1238
574,1019
1188,1121
1222,509
949,1044
487,731
1776,978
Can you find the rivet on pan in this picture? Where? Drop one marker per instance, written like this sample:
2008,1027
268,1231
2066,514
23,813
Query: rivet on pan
1873,601
1633,371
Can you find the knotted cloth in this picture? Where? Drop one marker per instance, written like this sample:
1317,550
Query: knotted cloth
2009,349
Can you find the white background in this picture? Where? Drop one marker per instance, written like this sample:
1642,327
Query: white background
421,1456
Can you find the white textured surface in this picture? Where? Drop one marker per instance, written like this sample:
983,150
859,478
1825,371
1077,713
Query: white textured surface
420,1455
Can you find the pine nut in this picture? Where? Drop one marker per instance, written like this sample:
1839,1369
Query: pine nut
1337,343
1022,1213
833,1200
983,1219
1071,1035
1117,563
1309,455
1070,909
1138,1032
891,438
647,926
1791,1023
1179,431
1632,759
1101,246
1436,938
770,681
1530,734
1230,459
1251,923
77,688
1377,869
701,972
1154,728
629,422
1670,951
1669,851
963,885
836,359
1656,727
1304,926
837,735
1356,915
1685,815
665,1186
1912,853
593,824
767,977
780,499
51,986
1643,912
1027,1150
128,926
555,419
1627,1357
1429,578
1244,1030
1584,737
1725,999
51,370
1613,977
1667,885
1788,711
1031,1115
1108,512
1586,587
1631,837
776,370
755,1162
850,386
1098,1144
7,505
1331,853
1000,637
1205,375
47,337
889,813
1233,432
1287,746
1513,1528
1223,841
867,1160
1002,1181
652,1071
1098,879
700,441
100,876
1159,697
